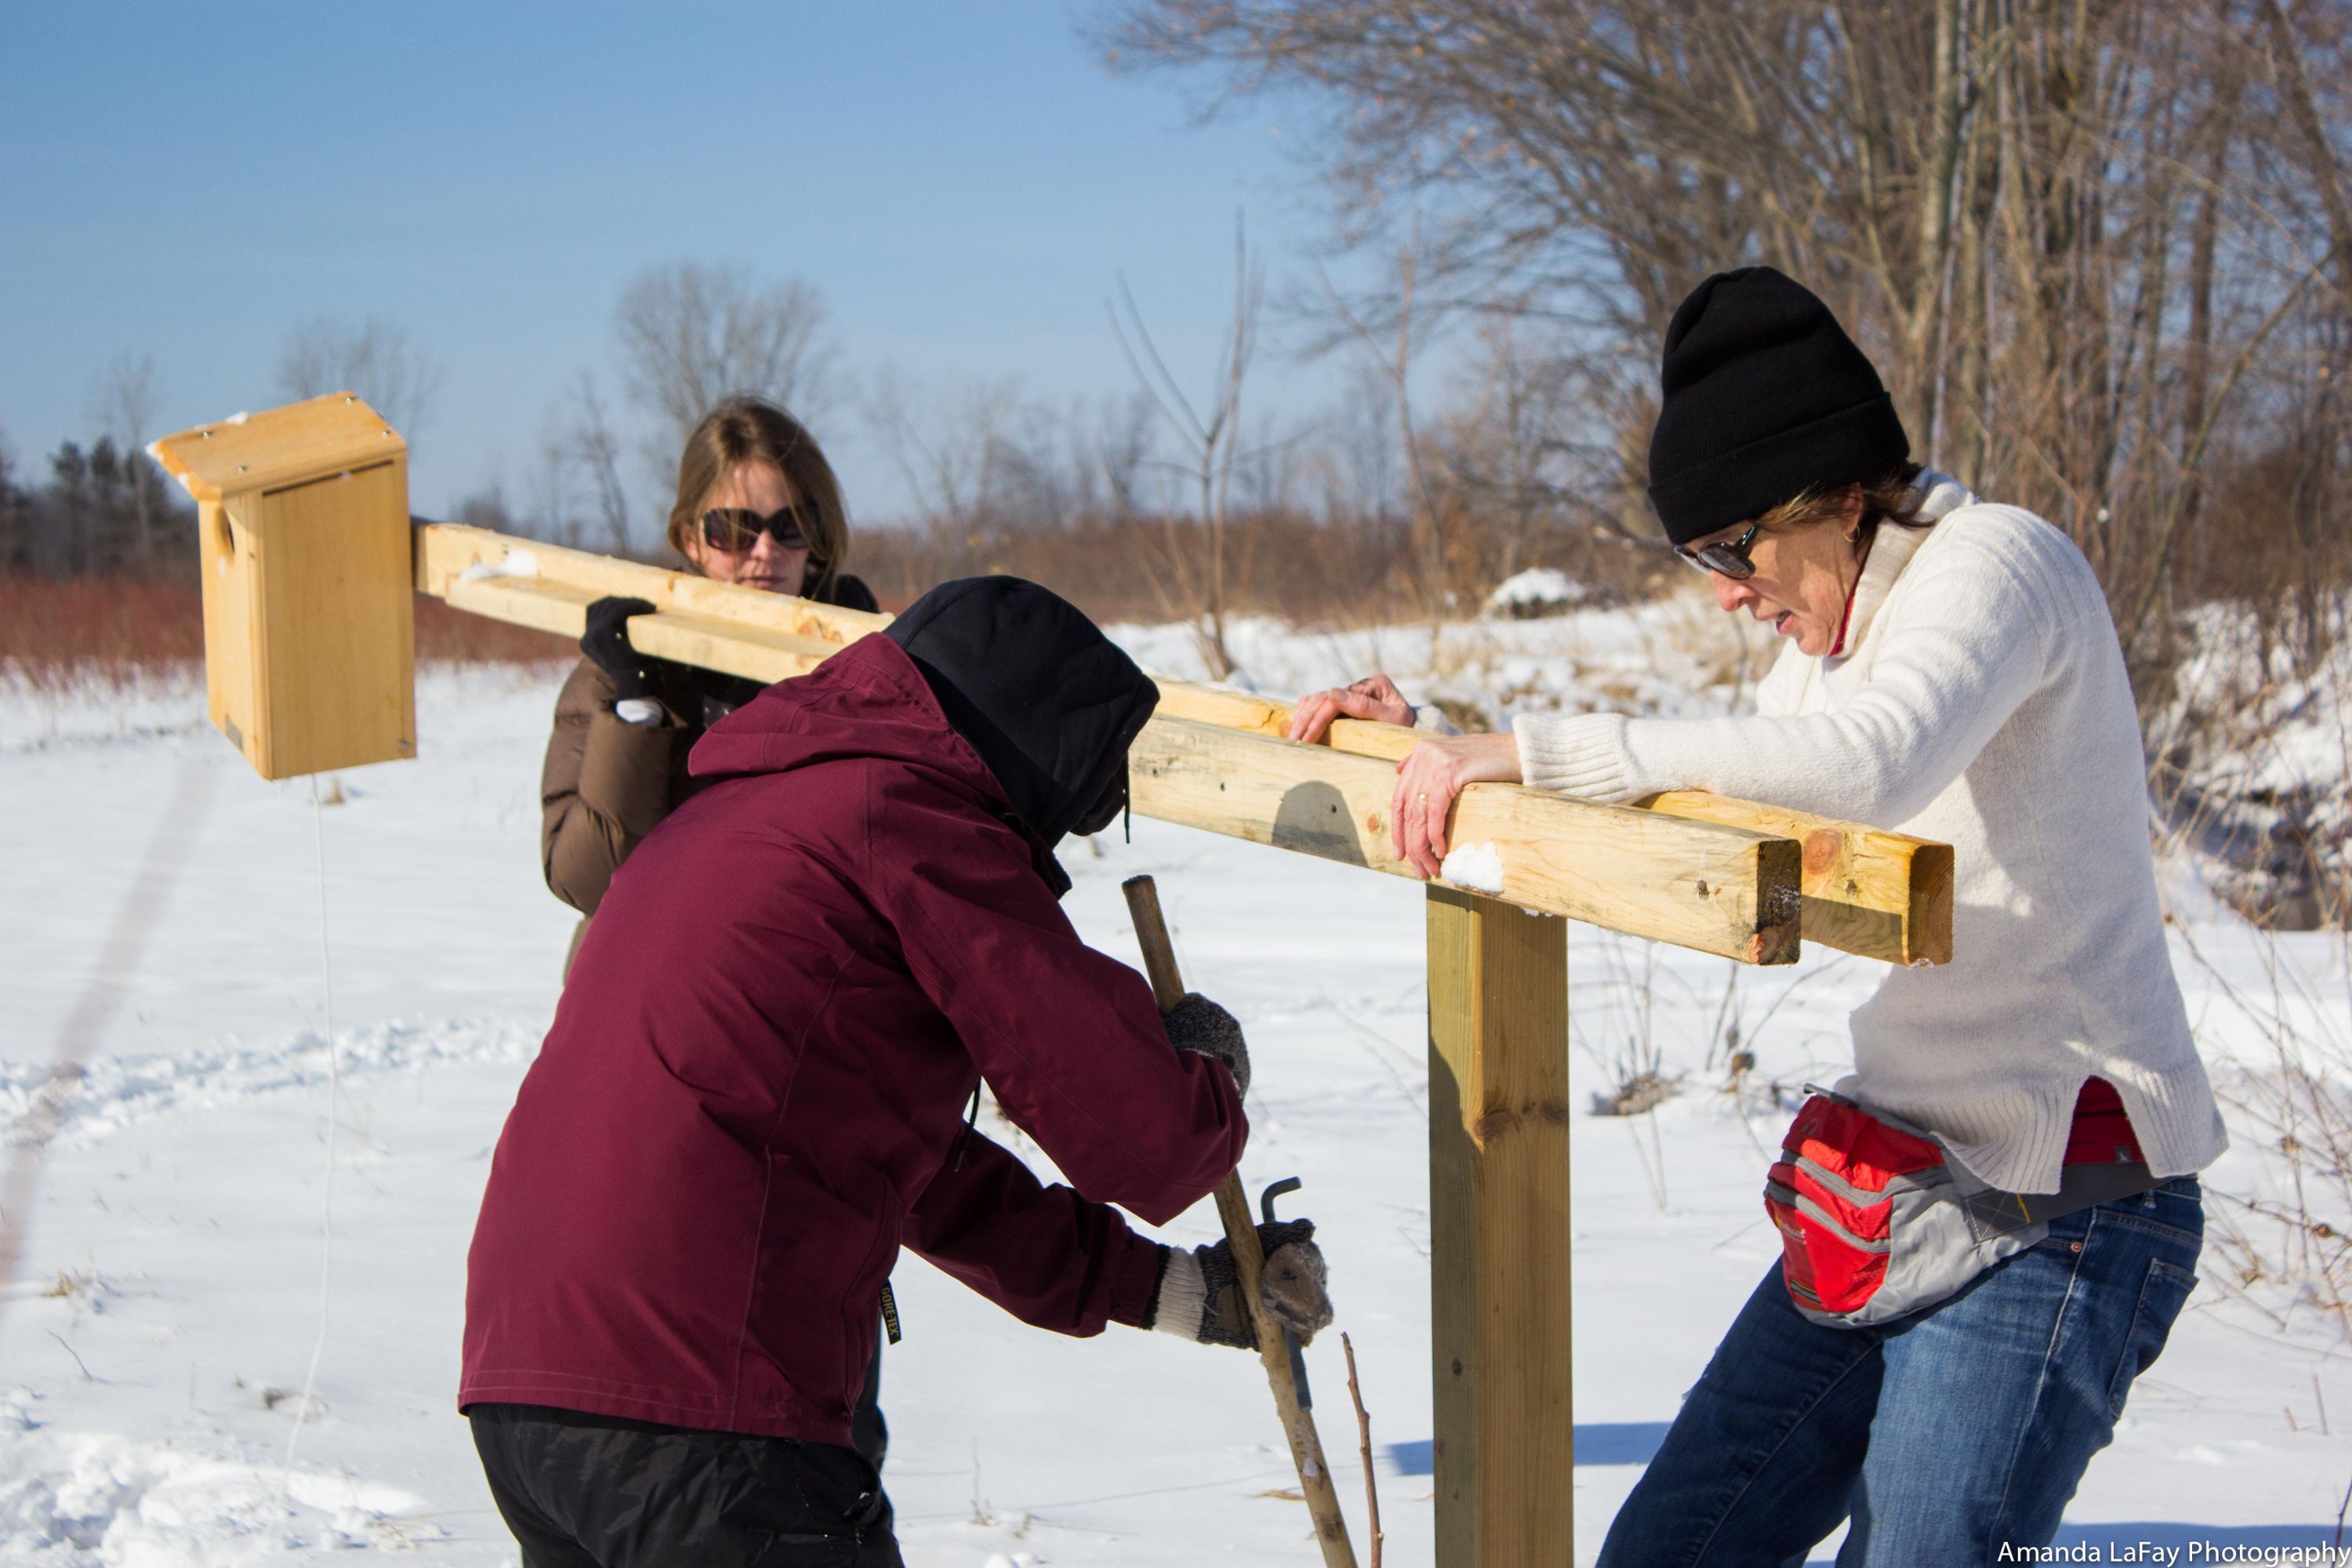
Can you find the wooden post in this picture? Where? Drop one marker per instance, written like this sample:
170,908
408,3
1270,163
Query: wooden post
1498,1120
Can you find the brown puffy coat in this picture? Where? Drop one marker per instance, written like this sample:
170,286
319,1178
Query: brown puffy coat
607,782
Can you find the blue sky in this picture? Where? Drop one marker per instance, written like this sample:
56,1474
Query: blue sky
961,183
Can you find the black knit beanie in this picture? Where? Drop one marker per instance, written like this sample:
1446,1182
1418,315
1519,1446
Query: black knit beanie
1765,398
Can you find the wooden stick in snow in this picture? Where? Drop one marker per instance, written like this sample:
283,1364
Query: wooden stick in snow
1364,1447
1249,1263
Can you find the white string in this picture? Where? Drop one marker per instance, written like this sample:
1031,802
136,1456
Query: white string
334,1099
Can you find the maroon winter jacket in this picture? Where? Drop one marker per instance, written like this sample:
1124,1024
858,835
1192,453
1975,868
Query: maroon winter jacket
753,1091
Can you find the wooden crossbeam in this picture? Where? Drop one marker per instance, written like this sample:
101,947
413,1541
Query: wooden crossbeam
705,641
1881,895
1719,890
447,552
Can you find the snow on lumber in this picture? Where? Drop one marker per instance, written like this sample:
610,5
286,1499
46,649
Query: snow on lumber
1478,867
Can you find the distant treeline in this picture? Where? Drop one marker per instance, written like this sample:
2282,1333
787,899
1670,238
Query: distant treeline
98,511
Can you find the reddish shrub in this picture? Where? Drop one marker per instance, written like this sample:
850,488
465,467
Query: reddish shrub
56,629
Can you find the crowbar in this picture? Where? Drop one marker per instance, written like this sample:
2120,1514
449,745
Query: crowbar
1249,1263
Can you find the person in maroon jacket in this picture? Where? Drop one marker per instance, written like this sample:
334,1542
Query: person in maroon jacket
754,1093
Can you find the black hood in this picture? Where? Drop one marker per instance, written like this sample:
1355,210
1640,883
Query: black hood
1049,702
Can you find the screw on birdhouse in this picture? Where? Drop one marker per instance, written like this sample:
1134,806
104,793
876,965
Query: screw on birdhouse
240,468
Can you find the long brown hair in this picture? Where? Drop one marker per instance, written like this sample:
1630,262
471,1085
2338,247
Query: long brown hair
747,430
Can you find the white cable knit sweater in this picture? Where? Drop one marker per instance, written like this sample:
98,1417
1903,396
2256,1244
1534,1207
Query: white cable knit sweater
1982,702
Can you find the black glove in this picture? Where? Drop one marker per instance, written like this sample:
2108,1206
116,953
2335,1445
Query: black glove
1198,1293
606,644
1197,1024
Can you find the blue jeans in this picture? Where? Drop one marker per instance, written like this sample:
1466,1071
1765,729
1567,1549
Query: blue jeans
1942,1435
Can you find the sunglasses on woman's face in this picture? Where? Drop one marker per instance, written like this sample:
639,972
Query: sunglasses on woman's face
735,529
1727,559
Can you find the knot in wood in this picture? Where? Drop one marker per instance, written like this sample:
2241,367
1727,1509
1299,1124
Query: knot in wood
1824,847
1503,1118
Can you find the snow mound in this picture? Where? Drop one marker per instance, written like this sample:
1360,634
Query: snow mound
99,1499
113,1092
1537,591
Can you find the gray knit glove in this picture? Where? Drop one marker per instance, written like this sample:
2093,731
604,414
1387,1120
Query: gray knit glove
1199,1296
1197,1024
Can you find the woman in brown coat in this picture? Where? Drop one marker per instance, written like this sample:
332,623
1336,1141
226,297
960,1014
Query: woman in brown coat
757,504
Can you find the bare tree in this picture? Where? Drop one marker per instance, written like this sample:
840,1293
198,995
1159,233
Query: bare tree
2098,249
1210,437
951,449
1430,509
590,443
692,334
551,509
375,359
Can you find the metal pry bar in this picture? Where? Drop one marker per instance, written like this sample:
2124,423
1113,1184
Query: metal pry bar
1298,1351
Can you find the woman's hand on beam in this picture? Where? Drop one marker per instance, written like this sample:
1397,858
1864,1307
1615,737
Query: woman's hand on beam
1429,778
1375,697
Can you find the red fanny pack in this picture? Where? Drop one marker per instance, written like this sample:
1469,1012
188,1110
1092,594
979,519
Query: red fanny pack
1876,1220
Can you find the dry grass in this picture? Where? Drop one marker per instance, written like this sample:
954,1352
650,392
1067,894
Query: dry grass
1287,564
55,632
444,634
2280,1237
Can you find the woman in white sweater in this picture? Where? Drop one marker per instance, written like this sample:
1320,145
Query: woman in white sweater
1950,670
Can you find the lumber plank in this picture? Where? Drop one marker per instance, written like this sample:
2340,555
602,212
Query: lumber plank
1236,709
1500,1362
706,642
446,552
1881,895
1699,884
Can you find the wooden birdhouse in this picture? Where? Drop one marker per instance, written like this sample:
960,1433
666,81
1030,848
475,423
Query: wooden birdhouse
310,627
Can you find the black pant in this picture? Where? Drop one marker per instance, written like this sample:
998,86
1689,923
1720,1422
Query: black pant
870,1435
600,1492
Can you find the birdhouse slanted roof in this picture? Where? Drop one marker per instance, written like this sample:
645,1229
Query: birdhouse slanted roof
278,448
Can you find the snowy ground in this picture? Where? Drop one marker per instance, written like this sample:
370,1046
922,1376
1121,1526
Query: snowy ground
168,1303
